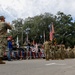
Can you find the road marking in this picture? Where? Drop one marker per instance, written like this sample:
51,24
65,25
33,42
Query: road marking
50,64
54,64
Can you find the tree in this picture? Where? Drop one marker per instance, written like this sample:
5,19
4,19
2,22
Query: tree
63,25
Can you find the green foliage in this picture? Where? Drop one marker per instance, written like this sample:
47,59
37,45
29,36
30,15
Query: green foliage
63,26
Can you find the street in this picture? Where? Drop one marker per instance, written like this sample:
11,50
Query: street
38,67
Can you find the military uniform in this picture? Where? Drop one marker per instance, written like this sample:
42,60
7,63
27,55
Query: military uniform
62,52
50,51
47,49
68,52
74,51
56,52
3,38
53,52
71,53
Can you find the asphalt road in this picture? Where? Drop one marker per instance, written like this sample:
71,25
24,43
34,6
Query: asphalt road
38,67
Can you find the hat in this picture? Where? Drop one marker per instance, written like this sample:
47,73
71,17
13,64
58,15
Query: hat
2,17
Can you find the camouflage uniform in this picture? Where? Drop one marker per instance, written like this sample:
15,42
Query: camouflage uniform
68,52
3,37
71,53
56,52
53,52
50,51
74,51
62,54
47,50
59,52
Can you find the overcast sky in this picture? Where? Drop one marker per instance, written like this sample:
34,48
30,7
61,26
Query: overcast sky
13,9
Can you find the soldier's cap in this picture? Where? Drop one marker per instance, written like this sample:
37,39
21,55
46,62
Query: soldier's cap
2,17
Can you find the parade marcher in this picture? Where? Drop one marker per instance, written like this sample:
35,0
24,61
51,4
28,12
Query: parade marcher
3,36
47,48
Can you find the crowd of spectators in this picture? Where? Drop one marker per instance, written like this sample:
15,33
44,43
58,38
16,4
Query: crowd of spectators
24,52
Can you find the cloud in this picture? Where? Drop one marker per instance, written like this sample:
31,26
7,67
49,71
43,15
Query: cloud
13,9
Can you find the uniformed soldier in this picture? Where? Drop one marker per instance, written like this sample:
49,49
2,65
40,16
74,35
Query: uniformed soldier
56,52
47,44
50,52
68,52
71,53
3,38
74,51
62,52
53,52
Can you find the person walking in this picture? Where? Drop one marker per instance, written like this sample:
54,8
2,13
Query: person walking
3,36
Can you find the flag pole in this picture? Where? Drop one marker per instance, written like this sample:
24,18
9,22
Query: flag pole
44,36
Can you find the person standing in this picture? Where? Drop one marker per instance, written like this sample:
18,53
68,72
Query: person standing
3,36
47,49
9,46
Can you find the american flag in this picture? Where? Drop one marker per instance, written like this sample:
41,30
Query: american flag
51,32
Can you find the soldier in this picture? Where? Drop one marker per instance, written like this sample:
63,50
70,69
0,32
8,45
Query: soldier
3,38
56,54
62,54
47,48
50,52
53,52
71,53
74,51
68,52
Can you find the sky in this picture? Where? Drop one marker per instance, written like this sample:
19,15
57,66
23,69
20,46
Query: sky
13,9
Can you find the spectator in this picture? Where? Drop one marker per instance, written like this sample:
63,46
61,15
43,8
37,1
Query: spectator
14,45
9,46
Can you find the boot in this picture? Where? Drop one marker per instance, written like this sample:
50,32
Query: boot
1,62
